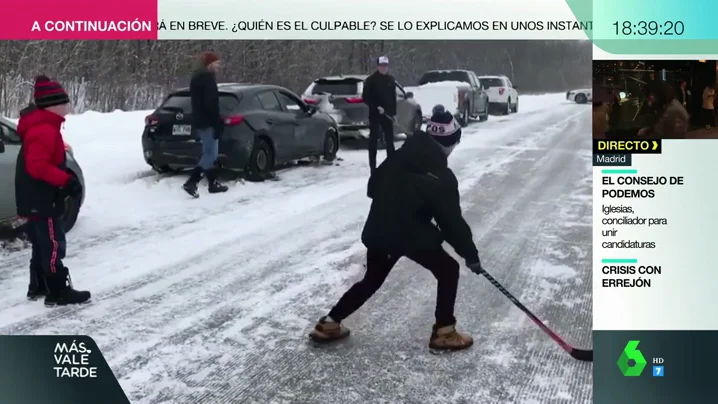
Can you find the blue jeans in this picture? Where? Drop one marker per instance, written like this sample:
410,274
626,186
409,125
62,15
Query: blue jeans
210,148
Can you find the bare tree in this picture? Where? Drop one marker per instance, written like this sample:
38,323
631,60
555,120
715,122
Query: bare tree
130,75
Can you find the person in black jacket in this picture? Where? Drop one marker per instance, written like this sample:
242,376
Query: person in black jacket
380,95
409,190
207,123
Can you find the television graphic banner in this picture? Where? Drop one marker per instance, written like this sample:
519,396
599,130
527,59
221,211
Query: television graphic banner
654,279
56,369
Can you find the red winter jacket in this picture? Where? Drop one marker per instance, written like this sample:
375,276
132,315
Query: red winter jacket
40,170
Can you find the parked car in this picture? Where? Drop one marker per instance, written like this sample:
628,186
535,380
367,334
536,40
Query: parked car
581,96
468,99
503,97
264,126
10,143
341,97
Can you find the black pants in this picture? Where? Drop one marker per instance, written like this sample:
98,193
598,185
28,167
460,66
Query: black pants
378,124
48,249
708,117
444,268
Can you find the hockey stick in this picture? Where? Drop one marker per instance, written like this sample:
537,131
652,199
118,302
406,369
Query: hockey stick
579,354
398,125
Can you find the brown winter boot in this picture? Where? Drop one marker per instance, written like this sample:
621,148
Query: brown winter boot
328,330
447,338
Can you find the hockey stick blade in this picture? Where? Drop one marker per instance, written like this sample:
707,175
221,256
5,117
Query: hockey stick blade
578,354
585,355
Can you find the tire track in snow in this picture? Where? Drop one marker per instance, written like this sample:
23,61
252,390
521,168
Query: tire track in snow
258,355
191,261
322,373
222,281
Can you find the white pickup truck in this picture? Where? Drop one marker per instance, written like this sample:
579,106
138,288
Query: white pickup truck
459,91
503,97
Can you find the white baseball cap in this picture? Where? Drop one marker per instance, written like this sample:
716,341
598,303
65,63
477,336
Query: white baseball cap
382,60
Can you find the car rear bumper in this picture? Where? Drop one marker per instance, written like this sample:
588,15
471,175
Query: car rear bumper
181,154
498,99
353,131
171,153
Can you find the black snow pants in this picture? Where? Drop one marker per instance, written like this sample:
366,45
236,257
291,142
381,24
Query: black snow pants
379,264
378,124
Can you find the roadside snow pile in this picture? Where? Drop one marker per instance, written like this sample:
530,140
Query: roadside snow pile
452,84
430,94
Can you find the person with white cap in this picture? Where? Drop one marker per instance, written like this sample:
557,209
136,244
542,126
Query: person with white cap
379,95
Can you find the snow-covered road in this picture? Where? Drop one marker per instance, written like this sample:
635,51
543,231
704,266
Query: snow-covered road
210,300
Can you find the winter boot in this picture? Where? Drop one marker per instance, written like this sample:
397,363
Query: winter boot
61,292
214,186
37,288
191,185
328,330
447,338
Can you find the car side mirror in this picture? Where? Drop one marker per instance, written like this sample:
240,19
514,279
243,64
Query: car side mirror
408,95
515,88
310,109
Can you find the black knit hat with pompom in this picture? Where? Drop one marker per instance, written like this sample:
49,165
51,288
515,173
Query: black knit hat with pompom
49,93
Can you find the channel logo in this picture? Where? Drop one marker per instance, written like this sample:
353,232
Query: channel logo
632,362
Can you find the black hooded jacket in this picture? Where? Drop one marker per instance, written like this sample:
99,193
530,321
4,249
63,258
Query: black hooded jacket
409,190
205,102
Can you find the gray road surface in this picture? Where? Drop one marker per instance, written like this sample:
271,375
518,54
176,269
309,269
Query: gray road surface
216,309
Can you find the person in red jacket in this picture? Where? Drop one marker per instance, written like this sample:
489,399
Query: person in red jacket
42,185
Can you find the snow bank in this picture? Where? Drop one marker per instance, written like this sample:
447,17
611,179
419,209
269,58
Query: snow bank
108,147
431,94
451,84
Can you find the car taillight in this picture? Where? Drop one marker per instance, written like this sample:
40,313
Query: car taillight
233,120
501,90
311,100
354,100
151,120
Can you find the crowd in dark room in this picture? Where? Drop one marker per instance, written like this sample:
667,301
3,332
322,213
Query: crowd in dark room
631,97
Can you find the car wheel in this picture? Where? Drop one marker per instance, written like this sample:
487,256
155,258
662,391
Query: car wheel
516,106
261,161
331,145
72,212
485,116
581,99
507,110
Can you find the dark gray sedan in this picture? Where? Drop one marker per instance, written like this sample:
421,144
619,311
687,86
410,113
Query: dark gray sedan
264,126
340,97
